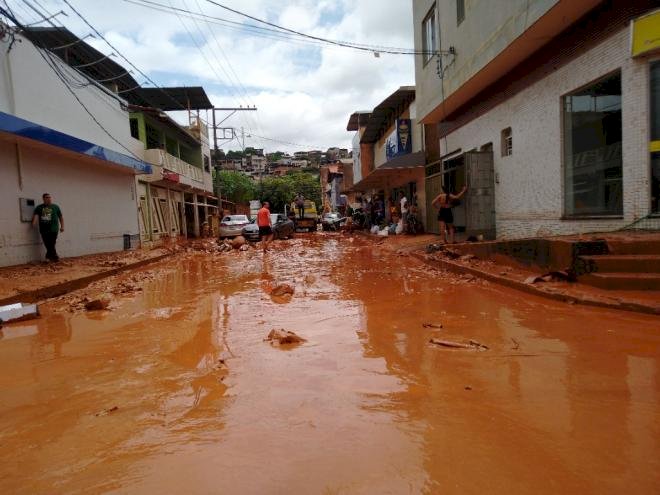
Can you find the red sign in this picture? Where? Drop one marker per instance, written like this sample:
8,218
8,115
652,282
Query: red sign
171,176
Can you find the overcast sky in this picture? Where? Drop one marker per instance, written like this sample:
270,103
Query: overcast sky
304,92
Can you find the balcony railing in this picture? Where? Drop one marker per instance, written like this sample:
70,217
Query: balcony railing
173,164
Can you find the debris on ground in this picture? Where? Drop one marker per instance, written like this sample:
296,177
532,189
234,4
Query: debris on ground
468,257
432,325
432,248
238,241
97,304
282,337
471,344
554,276
18,312
516,344
282,290
105,412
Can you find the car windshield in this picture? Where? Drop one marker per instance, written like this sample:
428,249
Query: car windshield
331,215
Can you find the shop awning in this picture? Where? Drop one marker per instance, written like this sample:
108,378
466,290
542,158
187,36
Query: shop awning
404,168
21,128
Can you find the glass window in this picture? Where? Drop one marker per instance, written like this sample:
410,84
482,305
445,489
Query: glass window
655,136
592,149
460,11
507,142
429,35
655,101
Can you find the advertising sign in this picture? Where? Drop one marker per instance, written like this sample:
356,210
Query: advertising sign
646,34
399,141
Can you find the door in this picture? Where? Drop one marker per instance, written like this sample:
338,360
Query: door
480,197
433,186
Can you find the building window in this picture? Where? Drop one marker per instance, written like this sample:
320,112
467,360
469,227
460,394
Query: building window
655,137
460,11
153,137
135,129
429,35
592,149
507,142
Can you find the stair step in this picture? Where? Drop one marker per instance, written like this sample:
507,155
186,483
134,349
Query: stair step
622,280
632,263
647,246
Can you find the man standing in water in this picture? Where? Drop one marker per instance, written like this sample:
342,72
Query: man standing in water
49,217
444,202
265,225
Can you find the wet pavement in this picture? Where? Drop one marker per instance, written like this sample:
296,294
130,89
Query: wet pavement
174,390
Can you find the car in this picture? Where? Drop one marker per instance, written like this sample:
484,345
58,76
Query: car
331,221
282,228
232,225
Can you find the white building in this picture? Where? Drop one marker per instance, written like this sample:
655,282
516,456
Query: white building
550,109
49,142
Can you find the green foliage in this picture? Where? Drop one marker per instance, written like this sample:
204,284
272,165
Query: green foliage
280,191
235,155
234,186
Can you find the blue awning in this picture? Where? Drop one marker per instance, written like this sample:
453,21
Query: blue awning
24,128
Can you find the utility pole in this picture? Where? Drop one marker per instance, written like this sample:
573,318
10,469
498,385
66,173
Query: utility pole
216,128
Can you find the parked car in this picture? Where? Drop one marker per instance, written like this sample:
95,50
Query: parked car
282,228
331,221
232,225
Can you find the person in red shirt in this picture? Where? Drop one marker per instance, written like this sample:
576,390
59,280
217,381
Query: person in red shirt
265,225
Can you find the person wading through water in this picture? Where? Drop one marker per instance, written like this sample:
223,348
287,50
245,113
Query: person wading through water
445,202
265,225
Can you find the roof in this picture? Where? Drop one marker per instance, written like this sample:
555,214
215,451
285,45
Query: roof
103,69
357,118
383,114
411,163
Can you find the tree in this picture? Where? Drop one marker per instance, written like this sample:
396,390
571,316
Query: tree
234,186
280,191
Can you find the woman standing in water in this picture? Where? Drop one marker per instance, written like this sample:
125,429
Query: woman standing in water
444,202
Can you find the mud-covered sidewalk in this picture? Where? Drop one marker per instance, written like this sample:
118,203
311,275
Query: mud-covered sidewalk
525,279
40,280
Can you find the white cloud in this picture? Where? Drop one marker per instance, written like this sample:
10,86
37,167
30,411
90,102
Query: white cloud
304,92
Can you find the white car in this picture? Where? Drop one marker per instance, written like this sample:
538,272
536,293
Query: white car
232,225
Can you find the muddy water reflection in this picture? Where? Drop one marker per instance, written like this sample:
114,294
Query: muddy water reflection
566,400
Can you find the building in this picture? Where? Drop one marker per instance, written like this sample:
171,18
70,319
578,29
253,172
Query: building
69,136
549,109
387,150
177,197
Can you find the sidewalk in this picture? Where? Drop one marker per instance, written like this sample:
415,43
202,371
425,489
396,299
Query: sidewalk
34,282
516,277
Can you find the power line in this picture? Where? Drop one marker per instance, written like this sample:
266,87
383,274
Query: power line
41,50
355,46
96,31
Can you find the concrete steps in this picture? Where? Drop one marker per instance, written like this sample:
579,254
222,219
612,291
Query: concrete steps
632,263
623,281
628,265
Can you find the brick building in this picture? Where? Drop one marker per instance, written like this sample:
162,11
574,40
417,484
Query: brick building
545,107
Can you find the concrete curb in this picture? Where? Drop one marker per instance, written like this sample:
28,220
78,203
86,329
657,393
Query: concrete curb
530,289
71,285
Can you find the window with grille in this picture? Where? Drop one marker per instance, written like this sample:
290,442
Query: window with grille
429,40
507,142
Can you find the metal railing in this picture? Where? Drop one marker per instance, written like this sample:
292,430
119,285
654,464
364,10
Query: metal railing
174,164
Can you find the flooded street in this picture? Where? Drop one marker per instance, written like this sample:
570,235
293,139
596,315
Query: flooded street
175,390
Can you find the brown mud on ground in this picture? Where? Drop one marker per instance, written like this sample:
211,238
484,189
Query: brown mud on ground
172,389
25,279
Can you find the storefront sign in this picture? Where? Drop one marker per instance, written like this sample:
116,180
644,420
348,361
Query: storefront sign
646,34
171,176
400,141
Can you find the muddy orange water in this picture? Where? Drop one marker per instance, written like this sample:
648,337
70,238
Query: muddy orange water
136,400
